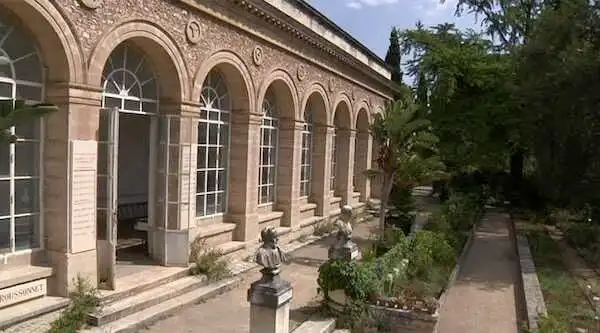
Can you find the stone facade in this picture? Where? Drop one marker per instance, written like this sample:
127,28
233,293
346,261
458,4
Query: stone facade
258,51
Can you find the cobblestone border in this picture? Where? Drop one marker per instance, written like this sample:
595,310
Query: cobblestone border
534,305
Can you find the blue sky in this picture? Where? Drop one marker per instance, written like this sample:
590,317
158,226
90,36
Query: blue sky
370,21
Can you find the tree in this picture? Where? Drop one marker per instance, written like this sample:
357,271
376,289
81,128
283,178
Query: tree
393,56
407,153
15,113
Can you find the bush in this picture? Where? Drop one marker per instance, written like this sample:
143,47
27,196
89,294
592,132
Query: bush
84,301
581,235
208,261
359,281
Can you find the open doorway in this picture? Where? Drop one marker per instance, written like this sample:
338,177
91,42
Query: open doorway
133,190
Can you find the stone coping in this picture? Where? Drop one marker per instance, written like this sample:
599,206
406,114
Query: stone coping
534,305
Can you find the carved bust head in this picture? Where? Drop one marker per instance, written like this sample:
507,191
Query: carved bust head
346,215
269,237
269,255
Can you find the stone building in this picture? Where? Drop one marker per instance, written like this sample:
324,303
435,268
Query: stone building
179,119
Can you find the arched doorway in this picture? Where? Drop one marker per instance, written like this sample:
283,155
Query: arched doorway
21,78
362,154
341,170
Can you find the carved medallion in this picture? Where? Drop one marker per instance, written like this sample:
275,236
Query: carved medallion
301,72
257,56
91,4
192,31
331,84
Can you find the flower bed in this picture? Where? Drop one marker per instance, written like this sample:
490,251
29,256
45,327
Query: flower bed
404,286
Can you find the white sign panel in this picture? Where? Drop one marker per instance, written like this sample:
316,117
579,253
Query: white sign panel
84,165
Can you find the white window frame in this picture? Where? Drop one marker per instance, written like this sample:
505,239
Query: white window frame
306,156
269,124
122,71
38,173
214,106
333,160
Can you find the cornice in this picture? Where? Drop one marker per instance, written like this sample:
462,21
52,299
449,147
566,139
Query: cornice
298,33
269,14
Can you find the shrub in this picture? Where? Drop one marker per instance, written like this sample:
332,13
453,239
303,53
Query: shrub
359,281
208,261
84,301
581,235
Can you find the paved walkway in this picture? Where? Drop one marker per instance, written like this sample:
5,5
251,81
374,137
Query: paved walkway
483,298
230,312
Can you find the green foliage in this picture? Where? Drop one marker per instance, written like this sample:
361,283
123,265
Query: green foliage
393,57
359,281
15,113
208,261
84,301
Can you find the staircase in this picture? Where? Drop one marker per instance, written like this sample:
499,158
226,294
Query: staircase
150,295
24,295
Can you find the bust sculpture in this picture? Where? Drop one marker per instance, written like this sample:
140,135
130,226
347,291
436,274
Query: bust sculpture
269,255
344,248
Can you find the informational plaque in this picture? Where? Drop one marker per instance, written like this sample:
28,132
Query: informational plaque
84,165
22,292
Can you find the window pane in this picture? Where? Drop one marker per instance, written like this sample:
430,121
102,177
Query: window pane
222,180
149,90
213,134
26,232
265,156
212,157
132,105
28,93
201,161
6,90
4,235
110,102
4,154
29,130
223,157
4,198
224,139
265,137
211,205
29,69
200,205
265,176
225,117
202,132
211,181
201,182
26,158
221,203
26,195
213,115
264,194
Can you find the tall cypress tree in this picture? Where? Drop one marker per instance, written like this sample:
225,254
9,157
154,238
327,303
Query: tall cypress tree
394,56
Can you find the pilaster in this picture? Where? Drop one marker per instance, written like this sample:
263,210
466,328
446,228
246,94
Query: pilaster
288,178
321,167
363,157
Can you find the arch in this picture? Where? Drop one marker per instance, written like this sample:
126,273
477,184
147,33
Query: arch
378,111
317,100
342,116
59,49
282,86
236,75
363,105
162,52
363,123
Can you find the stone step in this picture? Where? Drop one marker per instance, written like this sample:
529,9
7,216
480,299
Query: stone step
21,312
125,307
311,220
144,280
316,325
133,322
11,277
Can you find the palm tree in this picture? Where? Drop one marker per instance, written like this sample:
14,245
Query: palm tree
407,154
14,113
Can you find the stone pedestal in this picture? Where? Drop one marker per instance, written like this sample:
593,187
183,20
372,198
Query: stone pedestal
270,299
347,251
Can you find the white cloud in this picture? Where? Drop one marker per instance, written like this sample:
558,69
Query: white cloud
358,4
354,5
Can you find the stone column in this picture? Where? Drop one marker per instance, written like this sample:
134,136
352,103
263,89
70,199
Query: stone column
363,162
345,165
70,243
243,173
174,208
376,180
288,177
321,167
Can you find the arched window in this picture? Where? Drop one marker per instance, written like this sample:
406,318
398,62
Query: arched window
129,82
21,78
267,176
213,146
306,162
